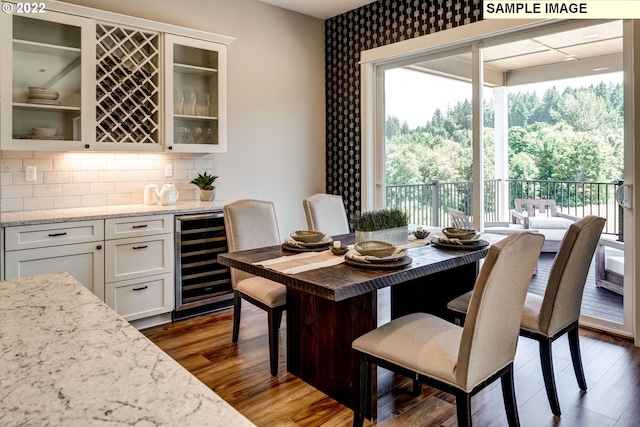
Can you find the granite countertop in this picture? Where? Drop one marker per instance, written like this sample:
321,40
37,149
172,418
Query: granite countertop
8,219
68,359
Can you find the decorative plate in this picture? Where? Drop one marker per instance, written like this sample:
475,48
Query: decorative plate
402,262
467,246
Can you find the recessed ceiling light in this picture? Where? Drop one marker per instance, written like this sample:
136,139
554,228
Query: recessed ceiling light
590,36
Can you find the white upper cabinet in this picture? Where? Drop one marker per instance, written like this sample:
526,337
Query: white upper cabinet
108,82
195,95
48,53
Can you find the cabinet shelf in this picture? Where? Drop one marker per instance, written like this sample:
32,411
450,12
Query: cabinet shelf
192,117
194,70
45,48
43,107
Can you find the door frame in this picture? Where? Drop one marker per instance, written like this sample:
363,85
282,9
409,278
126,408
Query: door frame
375,61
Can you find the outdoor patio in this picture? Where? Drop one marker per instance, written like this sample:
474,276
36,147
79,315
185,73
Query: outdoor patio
596,302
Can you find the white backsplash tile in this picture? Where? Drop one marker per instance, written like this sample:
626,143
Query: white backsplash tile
70,180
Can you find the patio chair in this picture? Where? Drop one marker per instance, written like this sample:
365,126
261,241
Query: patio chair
460,219
542,215
253,224
460,360
546,318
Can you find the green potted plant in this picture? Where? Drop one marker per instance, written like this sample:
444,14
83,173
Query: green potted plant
387,225
204,182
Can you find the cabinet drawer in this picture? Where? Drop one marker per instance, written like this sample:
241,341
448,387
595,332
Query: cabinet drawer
119,228
138,257
44,235
136,299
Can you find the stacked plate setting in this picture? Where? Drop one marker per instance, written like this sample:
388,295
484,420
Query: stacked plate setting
41,95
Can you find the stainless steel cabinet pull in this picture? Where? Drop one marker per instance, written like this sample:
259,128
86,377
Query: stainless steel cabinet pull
140,289
140,226
140,247
57,234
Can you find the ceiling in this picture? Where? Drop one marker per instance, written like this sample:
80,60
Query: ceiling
323,9
591,49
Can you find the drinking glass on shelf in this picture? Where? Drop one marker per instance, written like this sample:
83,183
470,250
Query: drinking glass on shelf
207,104
194,102
181,95
197,133
207,135
184,132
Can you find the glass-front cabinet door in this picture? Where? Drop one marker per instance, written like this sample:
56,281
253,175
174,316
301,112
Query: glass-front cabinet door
46,78
195,95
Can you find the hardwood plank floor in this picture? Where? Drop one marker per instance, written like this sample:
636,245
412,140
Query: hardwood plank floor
239,373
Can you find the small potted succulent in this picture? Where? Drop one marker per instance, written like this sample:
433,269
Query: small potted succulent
204,182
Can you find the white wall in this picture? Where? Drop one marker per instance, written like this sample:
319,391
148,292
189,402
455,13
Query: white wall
276,114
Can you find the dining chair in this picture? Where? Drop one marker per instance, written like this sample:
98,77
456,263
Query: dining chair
252,224
546,318
326,213
455,359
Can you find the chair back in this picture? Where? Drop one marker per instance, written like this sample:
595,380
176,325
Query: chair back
534,207
492,325
249,224
326,213
459,219
563,296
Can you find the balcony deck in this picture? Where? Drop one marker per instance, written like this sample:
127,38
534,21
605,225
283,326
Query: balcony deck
596,302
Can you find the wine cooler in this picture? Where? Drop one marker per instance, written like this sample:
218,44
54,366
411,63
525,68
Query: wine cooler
202,284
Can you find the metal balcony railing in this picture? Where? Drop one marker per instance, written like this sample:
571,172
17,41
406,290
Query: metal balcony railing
428,203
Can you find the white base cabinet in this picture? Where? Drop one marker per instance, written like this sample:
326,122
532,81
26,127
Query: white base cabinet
139,264
75,247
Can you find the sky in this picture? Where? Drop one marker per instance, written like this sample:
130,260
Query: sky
413,96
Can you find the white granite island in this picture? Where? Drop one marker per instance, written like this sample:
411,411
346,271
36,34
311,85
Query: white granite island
67,359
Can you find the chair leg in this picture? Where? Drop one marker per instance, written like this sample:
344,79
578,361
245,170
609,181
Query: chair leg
546,360
574,345
363,395
509,395
237,308
463,409
275,318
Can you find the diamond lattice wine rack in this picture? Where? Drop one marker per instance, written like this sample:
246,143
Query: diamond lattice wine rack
127,91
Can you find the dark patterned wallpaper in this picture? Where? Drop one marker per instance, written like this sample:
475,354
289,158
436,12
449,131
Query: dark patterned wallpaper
376,24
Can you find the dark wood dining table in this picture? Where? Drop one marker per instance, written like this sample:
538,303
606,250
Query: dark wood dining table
329,307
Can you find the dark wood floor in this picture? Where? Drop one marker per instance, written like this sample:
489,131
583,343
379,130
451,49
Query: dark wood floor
239,373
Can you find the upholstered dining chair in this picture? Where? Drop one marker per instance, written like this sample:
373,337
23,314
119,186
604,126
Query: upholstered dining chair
326,213
546,318
252,224
461,360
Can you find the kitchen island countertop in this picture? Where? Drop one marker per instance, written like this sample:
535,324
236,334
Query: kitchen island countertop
68,359
191,207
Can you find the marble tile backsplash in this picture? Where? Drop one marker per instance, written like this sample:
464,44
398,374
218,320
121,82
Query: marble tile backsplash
75,180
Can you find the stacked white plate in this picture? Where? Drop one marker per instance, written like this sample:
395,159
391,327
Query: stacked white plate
41,95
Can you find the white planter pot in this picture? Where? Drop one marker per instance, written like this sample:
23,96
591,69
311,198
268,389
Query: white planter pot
207,195
395,236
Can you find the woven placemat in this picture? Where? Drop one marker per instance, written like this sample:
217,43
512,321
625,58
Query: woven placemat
478,244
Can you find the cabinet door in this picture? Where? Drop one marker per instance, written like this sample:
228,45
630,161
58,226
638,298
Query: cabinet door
83,261
46,81
195,95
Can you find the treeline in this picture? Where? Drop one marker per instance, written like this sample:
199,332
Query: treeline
576,135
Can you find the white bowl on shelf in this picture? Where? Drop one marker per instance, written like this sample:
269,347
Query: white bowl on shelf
45,131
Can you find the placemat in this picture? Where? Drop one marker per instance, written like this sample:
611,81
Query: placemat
405,260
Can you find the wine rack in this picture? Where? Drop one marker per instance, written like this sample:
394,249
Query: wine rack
127,91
